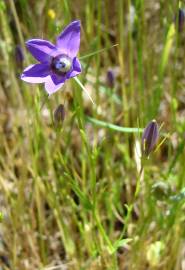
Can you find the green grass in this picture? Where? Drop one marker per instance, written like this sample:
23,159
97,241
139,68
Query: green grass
74,195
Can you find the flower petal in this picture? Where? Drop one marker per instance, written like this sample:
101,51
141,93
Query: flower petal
69,40
77,69
41,49
58,78
36,73
76,65
51,87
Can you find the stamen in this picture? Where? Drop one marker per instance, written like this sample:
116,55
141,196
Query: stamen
61,64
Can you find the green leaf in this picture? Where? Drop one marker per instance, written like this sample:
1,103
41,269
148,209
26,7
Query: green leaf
83,88
84,200
100,123
121,243
167,48
96,52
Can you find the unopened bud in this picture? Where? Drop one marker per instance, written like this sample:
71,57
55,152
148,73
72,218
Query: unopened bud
19,55
110,78
59,114
180,20
150,137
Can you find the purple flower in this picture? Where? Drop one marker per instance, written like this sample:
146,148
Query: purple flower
150,137
57,63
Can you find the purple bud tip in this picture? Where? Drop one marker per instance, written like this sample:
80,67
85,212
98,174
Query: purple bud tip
59,114
150,137
180,19
110,78
19,55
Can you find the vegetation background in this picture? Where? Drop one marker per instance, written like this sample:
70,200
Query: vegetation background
67,195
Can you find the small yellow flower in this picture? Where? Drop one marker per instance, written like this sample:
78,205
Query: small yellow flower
51,13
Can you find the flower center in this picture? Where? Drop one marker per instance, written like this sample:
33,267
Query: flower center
61,64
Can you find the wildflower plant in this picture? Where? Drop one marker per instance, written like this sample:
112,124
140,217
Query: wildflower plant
80,192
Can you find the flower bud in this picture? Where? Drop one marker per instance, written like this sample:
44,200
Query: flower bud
149,138
110,78
19,56
180,20
59,114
